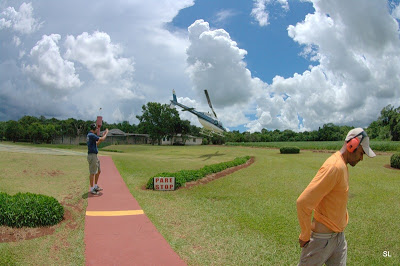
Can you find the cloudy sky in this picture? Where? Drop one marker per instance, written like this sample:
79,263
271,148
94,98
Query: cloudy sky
275,64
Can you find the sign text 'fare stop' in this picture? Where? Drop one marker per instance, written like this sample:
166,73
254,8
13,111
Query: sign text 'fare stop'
164,183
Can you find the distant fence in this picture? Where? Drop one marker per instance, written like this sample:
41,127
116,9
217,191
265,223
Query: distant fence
69,140
129,139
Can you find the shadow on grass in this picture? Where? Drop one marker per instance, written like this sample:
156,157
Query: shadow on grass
89,195
208,156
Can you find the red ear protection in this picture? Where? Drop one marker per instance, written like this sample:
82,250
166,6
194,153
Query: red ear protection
354,142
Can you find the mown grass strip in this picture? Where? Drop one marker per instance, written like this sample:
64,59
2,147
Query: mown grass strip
376,145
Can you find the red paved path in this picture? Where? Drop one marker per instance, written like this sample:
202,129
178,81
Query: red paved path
122,240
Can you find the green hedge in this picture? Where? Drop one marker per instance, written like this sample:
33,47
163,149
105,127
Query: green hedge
395,160
184,176
28,209
290,150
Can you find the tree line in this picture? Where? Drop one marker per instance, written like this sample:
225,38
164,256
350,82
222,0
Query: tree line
387,127
159,120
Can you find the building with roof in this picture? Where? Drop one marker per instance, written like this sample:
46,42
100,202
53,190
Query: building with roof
117,136
182,140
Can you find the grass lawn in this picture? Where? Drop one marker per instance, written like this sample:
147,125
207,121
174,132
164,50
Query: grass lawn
246,218
62,177
249,217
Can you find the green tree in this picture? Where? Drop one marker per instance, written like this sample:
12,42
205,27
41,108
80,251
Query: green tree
390,117
50,131
234,136
126,127
25,122
28,120
373,130
183,128
288,135
158,121
328,132
194,130
3,126
13,131
36,132
74,128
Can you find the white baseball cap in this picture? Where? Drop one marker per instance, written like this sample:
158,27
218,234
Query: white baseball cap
362,135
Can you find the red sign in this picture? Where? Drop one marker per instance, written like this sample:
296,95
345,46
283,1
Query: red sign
164,183
99,123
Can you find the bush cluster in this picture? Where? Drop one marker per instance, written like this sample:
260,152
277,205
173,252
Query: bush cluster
28,209
395,161
290,150
184,176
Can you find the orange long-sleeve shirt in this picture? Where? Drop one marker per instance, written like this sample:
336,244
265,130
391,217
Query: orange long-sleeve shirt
327,196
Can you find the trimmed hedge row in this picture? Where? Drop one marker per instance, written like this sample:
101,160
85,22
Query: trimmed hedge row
184,176
28,209
395,161
290,150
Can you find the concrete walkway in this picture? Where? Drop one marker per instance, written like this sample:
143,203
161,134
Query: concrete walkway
117,231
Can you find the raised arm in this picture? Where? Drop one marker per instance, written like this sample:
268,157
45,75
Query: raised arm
102,138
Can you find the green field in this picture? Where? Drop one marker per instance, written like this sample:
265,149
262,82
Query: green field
376,145
246,218
62,177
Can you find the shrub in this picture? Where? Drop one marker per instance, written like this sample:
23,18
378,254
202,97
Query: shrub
31,210
205,141
395,161
290,150
183,176
4,197
111,150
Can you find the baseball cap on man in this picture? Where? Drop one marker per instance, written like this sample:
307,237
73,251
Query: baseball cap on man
93,126
362,135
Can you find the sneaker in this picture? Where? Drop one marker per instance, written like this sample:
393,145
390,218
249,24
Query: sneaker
98,189
94,192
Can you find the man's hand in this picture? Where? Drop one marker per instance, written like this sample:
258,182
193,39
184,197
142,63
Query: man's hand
102,138
303,243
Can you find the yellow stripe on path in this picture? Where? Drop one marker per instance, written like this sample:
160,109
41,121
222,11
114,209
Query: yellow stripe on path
114,213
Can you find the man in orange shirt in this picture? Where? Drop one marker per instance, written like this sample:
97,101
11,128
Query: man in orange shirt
322,240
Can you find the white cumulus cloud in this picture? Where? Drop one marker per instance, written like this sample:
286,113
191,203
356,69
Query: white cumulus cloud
99,55
49,69
216,63
357,47
260,11
21,21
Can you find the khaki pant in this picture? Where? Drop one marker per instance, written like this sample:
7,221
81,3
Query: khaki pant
94,163
330,249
